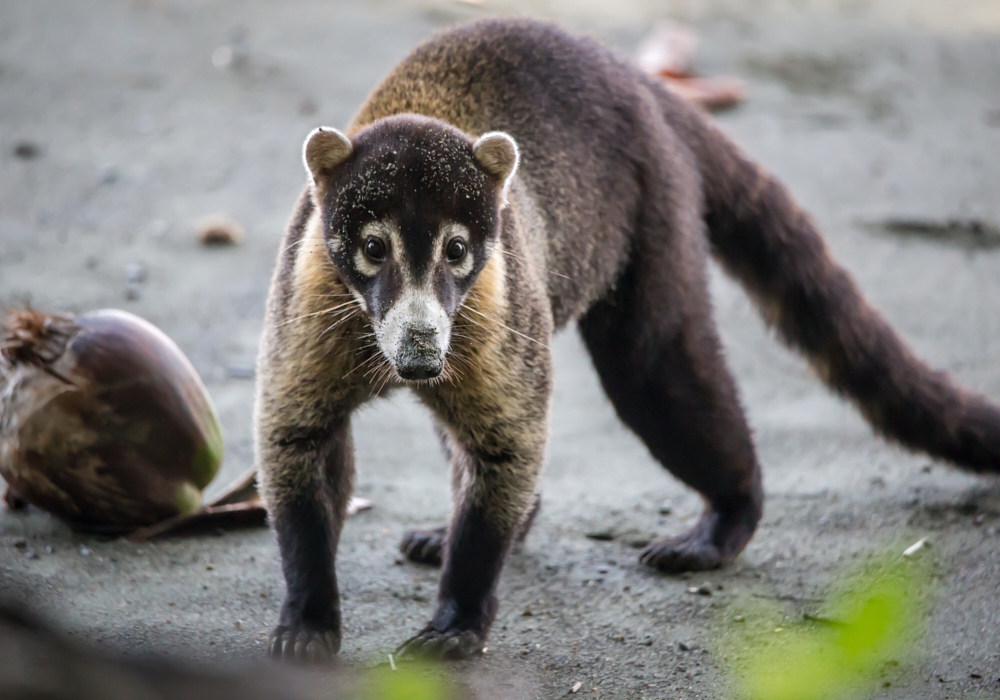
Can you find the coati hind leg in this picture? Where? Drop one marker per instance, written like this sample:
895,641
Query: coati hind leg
426,546
660,363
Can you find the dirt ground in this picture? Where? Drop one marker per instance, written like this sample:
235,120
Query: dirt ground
883,117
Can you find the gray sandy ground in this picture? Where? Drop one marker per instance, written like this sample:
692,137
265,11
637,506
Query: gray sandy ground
871,111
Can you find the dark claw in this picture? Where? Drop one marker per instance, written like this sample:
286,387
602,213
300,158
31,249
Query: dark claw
714,541
677,554
431,644
303,646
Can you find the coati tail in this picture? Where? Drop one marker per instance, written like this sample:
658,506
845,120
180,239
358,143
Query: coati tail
772,247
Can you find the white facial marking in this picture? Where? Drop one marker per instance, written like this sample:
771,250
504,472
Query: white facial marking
363,265
449,232
386,232
416,310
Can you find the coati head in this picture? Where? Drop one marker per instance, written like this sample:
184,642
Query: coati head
410,209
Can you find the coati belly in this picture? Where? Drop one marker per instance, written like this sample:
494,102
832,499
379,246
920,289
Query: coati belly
505,180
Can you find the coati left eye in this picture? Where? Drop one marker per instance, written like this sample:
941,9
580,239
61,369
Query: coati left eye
375,249
456,250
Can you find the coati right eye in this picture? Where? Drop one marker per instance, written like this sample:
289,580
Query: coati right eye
456,250
375,250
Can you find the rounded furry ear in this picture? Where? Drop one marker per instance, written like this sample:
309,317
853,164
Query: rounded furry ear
325,148
497,152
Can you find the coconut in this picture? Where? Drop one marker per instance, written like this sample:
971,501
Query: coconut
103,420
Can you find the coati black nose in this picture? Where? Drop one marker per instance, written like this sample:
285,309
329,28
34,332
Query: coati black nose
419,356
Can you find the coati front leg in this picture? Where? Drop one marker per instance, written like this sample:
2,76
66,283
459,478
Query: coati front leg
308,482
495,500
427,546
303,446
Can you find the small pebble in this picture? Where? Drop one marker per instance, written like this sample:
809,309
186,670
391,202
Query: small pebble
666,509
681,646
576,687
26,150
220,231
703,589
84,552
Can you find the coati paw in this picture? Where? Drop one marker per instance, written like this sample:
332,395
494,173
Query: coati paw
674,555
451,644
713,542
423,546
303,645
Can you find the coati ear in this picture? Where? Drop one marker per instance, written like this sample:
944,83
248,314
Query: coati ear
325,148
497,152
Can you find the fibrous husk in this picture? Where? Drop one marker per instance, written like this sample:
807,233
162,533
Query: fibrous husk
103,420
667,51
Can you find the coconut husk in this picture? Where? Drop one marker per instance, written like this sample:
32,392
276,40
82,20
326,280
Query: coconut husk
239,505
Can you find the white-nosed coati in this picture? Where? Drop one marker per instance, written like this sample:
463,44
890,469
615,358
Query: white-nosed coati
505,180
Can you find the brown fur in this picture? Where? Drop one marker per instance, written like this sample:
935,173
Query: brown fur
622,192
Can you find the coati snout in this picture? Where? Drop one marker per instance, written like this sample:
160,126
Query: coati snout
414,335
410,261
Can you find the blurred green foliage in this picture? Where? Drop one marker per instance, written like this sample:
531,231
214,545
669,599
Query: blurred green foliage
870,621
410,681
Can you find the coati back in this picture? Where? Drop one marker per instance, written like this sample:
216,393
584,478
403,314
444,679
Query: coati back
505,180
